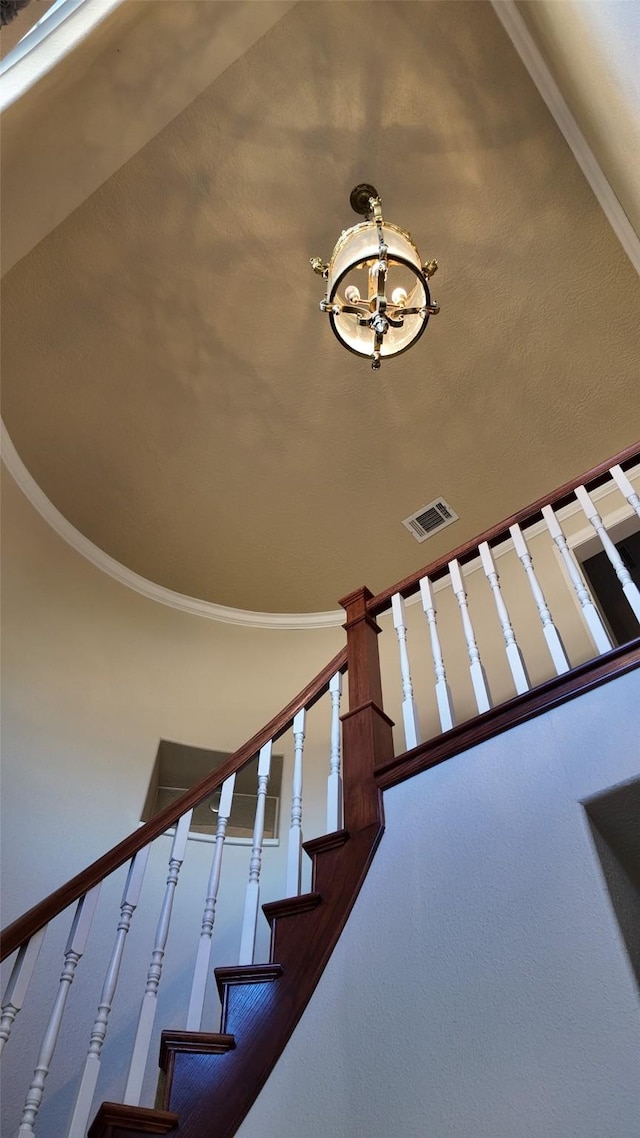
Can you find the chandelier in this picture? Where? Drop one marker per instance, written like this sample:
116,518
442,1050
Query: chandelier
377,295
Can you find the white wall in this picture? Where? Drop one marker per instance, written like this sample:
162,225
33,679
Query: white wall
481,987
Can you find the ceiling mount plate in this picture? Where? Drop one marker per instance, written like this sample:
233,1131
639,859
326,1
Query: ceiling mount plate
361,196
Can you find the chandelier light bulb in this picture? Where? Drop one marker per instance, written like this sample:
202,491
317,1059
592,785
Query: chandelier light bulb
399,296
352,294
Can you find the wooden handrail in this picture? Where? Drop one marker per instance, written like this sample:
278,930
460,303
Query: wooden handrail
30,922
464,553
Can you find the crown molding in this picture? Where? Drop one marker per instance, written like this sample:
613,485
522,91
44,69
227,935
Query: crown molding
149,589
521,38
245,617
48,41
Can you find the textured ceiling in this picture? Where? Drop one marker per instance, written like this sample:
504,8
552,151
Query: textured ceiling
171,385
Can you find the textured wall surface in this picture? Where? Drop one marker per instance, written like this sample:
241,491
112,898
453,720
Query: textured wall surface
93,676
481,987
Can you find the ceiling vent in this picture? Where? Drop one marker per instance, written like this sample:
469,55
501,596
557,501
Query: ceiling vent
430,519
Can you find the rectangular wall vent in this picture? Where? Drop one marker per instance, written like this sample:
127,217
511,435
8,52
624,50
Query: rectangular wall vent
429,519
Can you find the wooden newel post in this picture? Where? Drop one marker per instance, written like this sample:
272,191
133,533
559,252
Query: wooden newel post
367,737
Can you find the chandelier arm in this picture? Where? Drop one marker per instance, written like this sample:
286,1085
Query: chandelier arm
355,309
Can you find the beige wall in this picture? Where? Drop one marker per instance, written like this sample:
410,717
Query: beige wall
94,675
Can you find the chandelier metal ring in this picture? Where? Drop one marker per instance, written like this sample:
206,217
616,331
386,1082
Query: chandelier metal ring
368,315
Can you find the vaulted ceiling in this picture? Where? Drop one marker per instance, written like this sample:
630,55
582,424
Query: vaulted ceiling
169,381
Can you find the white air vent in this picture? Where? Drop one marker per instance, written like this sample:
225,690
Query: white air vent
429,519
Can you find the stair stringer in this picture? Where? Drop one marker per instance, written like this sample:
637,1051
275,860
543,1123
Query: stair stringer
212,1092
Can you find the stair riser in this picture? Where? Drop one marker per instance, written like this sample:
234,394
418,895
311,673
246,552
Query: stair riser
242,1002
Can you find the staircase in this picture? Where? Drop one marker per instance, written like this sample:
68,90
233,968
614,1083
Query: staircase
210,1079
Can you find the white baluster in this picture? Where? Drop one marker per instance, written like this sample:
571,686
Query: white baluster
629,589
596,628
130,898
294,853
409,709
334,782
201,970
19,981
252,896
74,949
443,694
623,484
514,655
133,1089
551,634
478,677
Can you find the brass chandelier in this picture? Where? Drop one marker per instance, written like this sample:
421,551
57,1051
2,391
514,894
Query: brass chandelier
377,296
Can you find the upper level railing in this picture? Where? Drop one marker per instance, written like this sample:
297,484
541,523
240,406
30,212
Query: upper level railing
465,603
565,495
467,596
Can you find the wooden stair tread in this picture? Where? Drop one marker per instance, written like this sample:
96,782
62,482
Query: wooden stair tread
116,1118
199,1042
326,842
289,906
246,974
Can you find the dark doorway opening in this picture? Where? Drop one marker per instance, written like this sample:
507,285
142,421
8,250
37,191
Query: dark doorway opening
607,591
